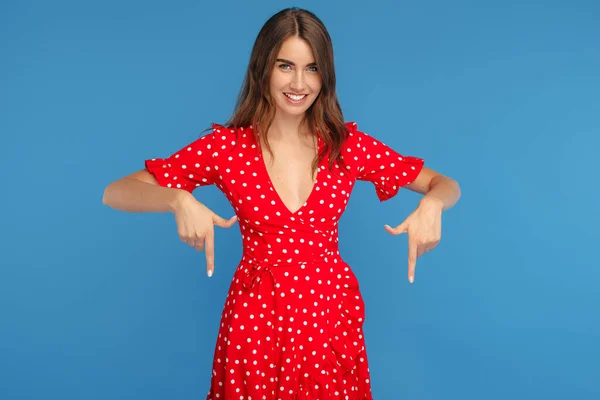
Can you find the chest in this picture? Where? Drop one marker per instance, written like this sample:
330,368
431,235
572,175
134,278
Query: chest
272,191
289,170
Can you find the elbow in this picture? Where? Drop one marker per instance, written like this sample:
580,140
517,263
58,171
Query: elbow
454,184
449,183
456,188
106,195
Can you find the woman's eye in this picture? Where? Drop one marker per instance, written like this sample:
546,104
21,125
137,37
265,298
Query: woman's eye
288,66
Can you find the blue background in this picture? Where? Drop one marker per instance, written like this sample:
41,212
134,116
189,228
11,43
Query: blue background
501,96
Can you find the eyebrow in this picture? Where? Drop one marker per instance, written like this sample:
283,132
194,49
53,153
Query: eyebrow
292,63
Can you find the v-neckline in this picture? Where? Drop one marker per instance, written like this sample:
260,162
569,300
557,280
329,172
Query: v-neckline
272,186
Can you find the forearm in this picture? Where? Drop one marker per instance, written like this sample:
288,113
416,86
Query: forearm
443,191
133,195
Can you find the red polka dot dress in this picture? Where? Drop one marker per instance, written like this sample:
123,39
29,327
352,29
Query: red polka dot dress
292,322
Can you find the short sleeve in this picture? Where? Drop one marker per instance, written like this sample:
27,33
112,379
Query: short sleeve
379,164
188,168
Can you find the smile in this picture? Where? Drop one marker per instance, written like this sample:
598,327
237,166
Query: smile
295,98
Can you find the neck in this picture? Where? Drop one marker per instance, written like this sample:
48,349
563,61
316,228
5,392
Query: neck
287,128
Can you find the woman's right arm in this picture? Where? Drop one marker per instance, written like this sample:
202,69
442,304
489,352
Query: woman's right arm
140,192
166,185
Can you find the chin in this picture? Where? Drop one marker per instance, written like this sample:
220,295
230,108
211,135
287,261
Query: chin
292,111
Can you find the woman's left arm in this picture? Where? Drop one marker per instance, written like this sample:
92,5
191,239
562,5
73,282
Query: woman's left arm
436,188
424,225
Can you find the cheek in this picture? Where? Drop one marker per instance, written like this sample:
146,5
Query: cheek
277,80
316,84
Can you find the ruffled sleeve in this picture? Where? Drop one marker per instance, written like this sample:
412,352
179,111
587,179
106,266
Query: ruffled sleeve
379,164
188,168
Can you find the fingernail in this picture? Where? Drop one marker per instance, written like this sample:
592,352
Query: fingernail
411,279
210,273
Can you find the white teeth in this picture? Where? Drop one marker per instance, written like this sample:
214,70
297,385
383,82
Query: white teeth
295,97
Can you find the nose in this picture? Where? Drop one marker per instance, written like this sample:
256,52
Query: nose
297,83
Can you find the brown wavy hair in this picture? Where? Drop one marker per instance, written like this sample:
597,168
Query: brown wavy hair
255,105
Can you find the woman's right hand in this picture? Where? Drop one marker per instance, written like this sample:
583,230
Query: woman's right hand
195,226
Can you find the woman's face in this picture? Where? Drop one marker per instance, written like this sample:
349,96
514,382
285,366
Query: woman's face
295,80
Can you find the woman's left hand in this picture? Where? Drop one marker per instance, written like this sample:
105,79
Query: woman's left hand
424,228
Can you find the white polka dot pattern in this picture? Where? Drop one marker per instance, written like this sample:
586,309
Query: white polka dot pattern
192,166
292,322
381,165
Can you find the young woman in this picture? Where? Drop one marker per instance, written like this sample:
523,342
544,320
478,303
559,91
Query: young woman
291,327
